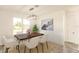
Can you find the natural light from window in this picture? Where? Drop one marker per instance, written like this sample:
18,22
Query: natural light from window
20,25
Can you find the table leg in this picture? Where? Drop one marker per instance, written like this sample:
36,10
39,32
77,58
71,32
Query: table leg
17,47
6,50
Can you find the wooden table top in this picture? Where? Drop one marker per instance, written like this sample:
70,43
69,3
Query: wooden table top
27,36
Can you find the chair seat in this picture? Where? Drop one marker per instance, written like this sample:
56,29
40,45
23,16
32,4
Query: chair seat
43,39
9,42
32,43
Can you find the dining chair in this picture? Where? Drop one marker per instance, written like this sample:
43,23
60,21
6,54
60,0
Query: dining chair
9,41
1,44
1,41
32,43
43,39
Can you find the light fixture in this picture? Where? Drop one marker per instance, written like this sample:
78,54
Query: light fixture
33,15
36,5
33,7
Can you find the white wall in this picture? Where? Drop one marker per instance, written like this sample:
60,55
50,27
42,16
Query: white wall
58,34
6,22
72,24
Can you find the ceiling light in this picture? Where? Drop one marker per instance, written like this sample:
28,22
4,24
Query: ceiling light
36,5
31,9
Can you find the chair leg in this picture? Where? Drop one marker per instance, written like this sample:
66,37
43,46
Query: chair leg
24,49
42,47
47,44
17,47
30,50
6,50
3,48
37,49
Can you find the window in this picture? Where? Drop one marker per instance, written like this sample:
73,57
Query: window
20,25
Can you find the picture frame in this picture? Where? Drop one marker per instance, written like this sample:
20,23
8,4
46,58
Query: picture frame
47,24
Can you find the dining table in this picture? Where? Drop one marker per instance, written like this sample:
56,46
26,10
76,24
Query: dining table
24,36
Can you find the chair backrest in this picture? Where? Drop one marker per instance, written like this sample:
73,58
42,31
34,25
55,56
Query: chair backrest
19,32
1,41
43,38
8,39
33,42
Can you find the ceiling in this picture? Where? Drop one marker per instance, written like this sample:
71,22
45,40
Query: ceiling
14,8
26,8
